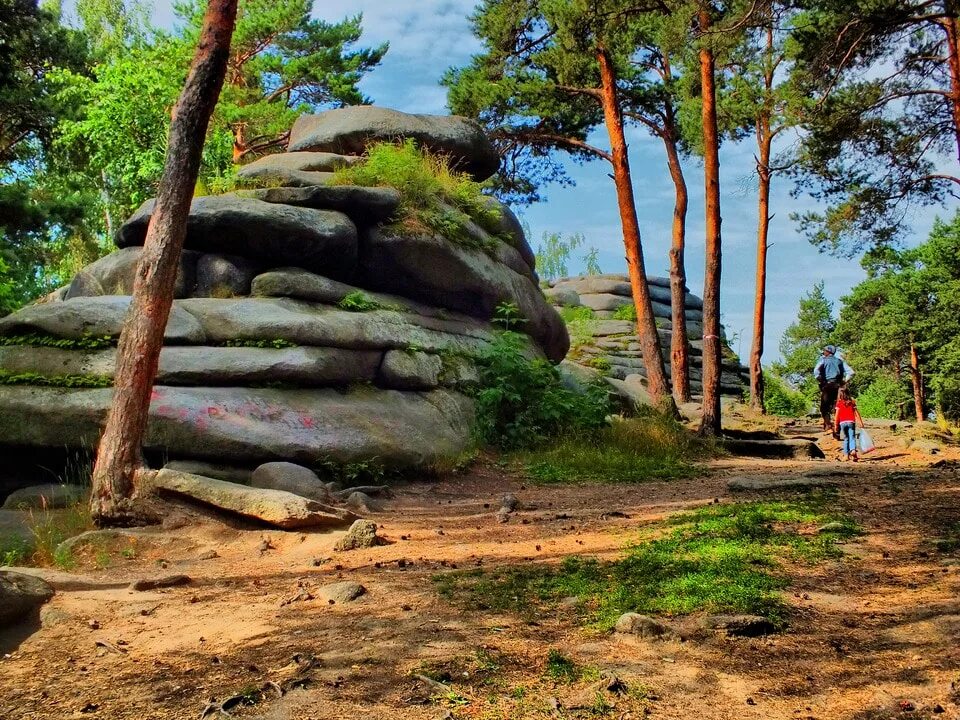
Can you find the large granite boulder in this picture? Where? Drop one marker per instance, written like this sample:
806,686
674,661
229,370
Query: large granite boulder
321,240
363,205
351,130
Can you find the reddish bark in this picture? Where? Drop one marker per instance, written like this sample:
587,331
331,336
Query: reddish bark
119,454
916,379
679,353
657,384
710,422
949,24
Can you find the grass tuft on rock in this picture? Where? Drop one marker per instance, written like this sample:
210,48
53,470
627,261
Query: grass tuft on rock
62,381
434,198
719,559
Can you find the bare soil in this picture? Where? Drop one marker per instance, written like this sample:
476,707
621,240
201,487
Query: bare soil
874,635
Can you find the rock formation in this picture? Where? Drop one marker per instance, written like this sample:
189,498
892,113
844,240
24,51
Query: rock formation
605,345
308,327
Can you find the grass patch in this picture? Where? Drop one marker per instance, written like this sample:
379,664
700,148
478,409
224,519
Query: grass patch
87,342
625,312
651,447
359,301
48,528
434,198
581,322
63,381
720,558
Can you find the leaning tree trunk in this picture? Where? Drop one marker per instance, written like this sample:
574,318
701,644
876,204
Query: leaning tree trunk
679,342
710,423
119,454
657,384
916,379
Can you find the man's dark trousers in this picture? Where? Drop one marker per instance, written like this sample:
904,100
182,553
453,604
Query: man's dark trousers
828,401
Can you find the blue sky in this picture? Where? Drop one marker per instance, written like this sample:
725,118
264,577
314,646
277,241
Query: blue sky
428,36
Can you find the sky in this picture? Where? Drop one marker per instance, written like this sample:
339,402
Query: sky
428,36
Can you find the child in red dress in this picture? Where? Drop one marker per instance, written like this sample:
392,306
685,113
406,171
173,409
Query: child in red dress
845,422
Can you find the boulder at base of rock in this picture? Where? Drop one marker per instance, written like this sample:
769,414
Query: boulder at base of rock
291,478
362,503
21,595
319,240
93,316
632,392
223,276
363,205
642,626
362,534
351,130
273,507
340,593
48,496
114,274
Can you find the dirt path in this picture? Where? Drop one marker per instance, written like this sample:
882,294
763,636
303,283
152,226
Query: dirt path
874,635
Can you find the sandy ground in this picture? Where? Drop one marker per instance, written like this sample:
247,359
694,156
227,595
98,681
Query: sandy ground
874,635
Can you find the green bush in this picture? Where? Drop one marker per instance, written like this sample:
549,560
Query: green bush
523,402
884,397
433,197
780,399
626,312
578,313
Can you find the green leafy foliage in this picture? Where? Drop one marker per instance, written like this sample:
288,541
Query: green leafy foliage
522,402
626,312
434,198
781,399
275,343
554,252
576,314
884,397
721,558
507,316
803,340
358,301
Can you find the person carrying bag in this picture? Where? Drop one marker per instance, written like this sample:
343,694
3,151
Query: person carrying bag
845,424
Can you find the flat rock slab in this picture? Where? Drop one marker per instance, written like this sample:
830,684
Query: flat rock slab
246,426
782,483
273,507
340,593
321,240
229,473
363,205
93,316
350,130
20,595
784,449
305,161
51,496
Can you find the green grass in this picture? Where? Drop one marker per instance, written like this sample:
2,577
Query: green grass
87,342
48,529
359,301
625,312
720,558
64,381
433,197
653,447
275,344
577,313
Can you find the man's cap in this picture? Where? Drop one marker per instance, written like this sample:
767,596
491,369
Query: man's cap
830,349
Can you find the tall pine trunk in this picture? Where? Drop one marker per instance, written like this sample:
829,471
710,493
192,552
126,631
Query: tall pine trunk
764,144
679,342
657,384
949,24
710,422
119,454
916,379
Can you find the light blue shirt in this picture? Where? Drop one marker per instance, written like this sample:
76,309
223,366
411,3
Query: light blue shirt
847,370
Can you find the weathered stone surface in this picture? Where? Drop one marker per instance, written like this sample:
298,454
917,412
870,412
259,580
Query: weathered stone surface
362,534
20,595
97,316
304,323
114,274
612,302
596,285
363,205
320,240
211,366
300,161
439,272
406,370
212,470
509,227
246,425
786,448
642,626
223,276
285,177
351,130
274,507
760,484
563,297
291,478
741,625
340,593
48,496
632,391
360,502
578,377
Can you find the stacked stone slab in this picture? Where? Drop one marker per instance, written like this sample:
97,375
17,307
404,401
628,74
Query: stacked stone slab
613,347
306,326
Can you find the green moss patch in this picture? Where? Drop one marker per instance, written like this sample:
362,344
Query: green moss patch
64,381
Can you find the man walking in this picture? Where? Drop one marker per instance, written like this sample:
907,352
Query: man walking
831,374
